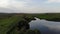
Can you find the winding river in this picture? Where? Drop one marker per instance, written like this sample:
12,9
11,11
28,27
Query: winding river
45,27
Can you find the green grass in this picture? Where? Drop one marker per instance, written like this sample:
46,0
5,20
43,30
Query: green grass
49,16
8,23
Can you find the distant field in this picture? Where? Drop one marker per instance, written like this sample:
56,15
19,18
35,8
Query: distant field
49,16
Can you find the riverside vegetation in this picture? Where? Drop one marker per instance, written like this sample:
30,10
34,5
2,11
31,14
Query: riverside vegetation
49,16
16,24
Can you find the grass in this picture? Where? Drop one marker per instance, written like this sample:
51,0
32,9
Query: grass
49,16
8,23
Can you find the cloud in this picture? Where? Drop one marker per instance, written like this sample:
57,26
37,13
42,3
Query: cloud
12,3
53,1
28,6
17,4
4,3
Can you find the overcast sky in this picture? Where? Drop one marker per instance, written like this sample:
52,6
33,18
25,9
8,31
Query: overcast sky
29,6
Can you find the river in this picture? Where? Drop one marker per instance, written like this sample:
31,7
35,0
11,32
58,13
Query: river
45,27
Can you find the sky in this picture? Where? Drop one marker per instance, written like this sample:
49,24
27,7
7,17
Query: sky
30,6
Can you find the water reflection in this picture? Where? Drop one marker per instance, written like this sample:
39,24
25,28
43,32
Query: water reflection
46,27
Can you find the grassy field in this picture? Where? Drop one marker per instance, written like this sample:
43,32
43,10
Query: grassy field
6,23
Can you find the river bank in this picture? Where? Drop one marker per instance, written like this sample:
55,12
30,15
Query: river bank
49,16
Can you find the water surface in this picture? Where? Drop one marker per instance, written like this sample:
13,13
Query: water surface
46,27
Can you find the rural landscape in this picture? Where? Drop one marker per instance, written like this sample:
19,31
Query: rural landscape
18,23
29,16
